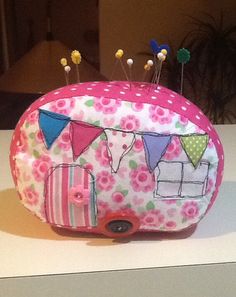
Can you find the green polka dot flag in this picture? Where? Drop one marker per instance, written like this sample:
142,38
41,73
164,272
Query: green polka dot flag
194,146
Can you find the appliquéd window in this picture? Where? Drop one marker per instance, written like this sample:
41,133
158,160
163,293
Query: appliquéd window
178,179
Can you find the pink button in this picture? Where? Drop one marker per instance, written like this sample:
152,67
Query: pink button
78,196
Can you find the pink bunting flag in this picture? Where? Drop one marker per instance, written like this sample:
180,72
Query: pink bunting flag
82,135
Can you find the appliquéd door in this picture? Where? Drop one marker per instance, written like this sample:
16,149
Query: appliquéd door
70,198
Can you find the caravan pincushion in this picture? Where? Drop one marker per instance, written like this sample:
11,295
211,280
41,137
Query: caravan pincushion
108,158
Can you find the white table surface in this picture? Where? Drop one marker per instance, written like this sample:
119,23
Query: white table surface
31,248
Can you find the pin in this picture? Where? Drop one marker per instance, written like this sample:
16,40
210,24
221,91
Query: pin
161,57
147,68
130,63
67,70
76,59
63,62
183,57
119,54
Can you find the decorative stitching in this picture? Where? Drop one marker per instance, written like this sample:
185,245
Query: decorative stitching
93,206
181,182
124,152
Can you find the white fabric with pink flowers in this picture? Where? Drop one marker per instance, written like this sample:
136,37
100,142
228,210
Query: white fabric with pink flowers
131,186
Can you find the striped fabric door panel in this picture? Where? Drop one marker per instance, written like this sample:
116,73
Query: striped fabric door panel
62,182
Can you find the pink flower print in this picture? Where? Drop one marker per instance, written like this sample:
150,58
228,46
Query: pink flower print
170,225
137,201
105,181
103,208
138,145
137,106
183,120
122,172
106,105
79,195
210,185
39,138
31,197
23,143
141,179
62,106
32,118
101,154
41,167
130,123
171,212
117,197
152,218
190,210
88,166
173,150
160,115
64,141
79,116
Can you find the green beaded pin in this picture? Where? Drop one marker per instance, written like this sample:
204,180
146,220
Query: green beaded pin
183,57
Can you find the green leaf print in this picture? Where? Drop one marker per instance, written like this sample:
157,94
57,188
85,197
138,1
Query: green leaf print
32,135
56,150
36,154
82,161
150,205
141,209
133,164
27,125
128,205
103,136
94,145
96,123
125,192
89,103
178,125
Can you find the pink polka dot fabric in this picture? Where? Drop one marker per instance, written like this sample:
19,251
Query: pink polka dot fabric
124,168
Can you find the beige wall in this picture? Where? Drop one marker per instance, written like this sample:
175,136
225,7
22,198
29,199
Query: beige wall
130,24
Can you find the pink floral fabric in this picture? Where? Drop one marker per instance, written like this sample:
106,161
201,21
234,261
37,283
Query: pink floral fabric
41,167
132,188
173,150
64,141
160,115
105,181
130,123
190,210
141,179
62,106
106,105
101,154
31,197
152,218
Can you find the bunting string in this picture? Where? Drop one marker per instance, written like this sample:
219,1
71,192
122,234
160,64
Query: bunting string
119,142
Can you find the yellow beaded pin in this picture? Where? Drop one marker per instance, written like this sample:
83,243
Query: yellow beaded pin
76,59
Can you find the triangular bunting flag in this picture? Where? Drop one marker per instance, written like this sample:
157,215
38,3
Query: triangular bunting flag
82,135
51,125
118,145
194,146
155,146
